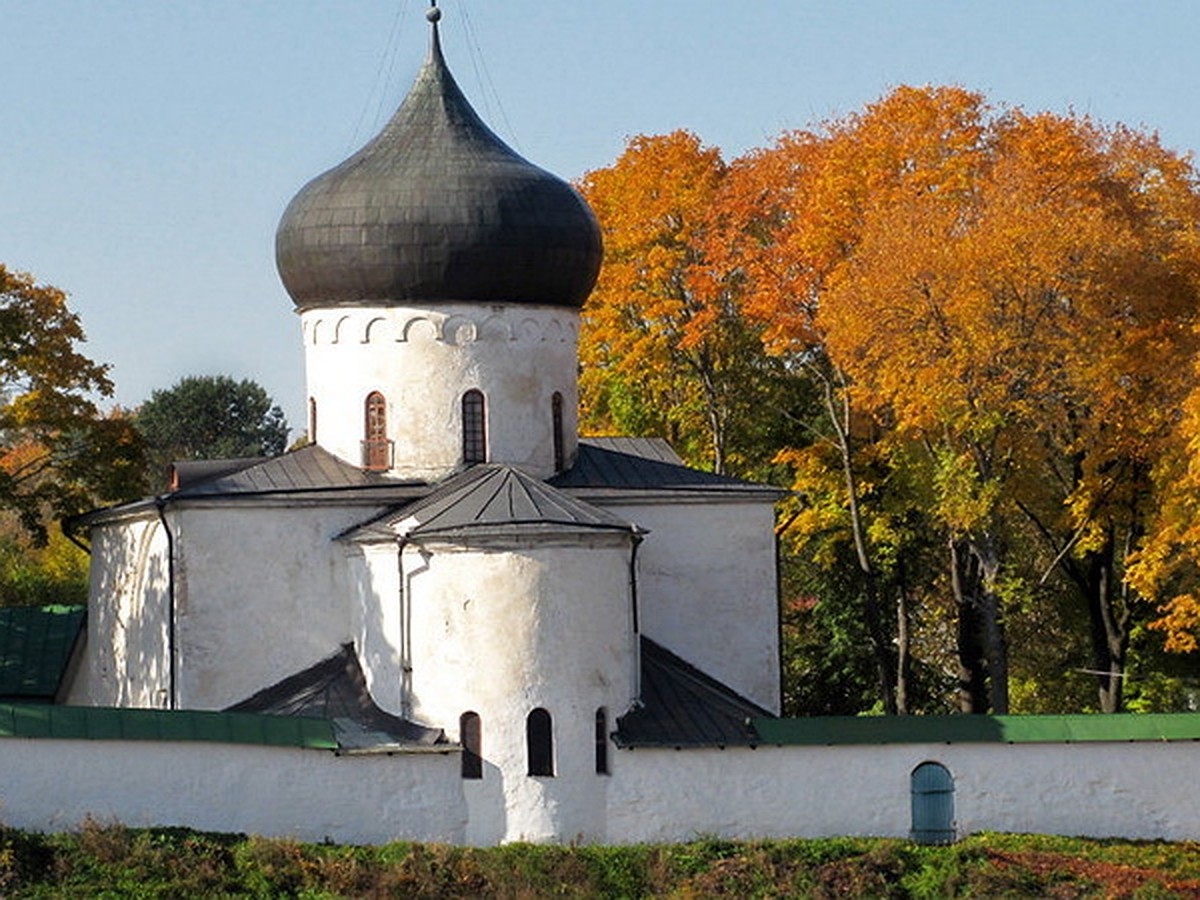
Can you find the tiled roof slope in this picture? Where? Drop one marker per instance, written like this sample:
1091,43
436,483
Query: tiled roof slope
36,643
491,498
683,707
643,464
336,689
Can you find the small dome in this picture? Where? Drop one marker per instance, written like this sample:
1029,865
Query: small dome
437,207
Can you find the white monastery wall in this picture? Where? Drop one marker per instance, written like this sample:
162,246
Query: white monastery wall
1140,790
1126,789
262,592
311,795
125,660
707,590
423,360
502,631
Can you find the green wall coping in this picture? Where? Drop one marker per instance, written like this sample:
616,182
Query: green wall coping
979,729
99,723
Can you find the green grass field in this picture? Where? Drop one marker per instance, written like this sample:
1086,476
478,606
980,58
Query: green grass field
113,861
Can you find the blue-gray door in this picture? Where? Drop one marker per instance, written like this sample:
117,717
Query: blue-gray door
932,804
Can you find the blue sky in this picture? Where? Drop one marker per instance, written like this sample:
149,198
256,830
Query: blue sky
148,147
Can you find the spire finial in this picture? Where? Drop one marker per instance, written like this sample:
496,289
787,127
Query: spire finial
433,14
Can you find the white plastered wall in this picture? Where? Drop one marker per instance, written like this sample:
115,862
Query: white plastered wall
707,587
423,359
502,630
262,592
1143,790
309,795
1132,790
125,661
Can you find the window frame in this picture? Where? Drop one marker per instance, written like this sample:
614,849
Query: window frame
376,446
601,739
474,427
470,736
556,425
539,743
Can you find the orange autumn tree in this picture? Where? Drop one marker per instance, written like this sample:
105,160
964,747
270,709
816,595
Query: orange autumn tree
995,305
58,454
1166,566
793,220
664,348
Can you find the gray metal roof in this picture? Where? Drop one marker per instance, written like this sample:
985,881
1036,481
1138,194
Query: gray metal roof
335,689
681,706
437,207
643,464
494,498
312,474
306,469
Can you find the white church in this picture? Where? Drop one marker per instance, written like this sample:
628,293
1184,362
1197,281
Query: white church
446,563
482,627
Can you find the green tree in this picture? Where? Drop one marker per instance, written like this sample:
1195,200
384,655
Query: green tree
211,417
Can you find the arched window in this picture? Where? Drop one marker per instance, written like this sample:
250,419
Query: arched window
932,789
376,447
556,416
474,428
470,735
602,741
312,420
539,742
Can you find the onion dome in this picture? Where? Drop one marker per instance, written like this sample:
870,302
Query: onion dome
437,207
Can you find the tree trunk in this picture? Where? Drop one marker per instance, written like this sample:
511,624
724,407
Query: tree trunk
995,644
902,651
972,672
1108,611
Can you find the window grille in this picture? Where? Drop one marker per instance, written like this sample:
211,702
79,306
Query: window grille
556,414
474,428
377,449
601,741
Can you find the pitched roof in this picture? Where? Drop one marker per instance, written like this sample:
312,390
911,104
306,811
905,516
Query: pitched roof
36,643
310,468
335,689
491,498
681,706
644,464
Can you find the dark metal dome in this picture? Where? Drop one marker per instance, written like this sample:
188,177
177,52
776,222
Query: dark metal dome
437,207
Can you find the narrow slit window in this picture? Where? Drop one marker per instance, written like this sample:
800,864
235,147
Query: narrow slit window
556,416
539,741
376,448
470,735
474,428
312,420
602,741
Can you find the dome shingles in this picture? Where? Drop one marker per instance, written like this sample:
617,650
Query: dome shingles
437,207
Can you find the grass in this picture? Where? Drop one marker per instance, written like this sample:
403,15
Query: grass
114,861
